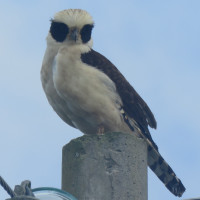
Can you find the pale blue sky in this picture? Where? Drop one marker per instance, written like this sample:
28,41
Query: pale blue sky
155,44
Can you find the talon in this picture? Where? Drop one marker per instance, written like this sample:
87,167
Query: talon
100,130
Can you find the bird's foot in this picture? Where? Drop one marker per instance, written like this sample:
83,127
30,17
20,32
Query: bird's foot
100,130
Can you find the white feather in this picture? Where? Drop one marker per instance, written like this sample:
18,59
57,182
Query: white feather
74,17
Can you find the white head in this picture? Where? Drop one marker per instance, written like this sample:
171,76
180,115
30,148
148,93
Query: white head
73,26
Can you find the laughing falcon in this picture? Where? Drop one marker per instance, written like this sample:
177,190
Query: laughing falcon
89,93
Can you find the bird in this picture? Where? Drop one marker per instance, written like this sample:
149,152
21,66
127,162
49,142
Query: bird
89,93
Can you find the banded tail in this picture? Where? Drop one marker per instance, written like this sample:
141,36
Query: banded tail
157,163
164,172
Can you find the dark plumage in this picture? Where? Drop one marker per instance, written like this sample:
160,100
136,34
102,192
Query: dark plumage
133,104
59,31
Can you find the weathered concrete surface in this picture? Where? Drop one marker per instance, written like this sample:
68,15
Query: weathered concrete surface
105,167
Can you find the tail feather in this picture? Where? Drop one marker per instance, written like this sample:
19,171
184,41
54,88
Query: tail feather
164,172
157,163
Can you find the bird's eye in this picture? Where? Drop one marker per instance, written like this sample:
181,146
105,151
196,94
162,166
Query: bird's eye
59,31
86,32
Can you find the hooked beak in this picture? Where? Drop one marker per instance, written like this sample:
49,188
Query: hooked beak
74,34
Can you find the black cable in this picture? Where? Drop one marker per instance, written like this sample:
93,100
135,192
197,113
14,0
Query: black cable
7,188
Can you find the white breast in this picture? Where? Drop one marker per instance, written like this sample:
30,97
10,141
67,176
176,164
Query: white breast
89,96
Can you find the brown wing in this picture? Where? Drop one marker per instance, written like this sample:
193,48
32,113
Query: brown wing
133,104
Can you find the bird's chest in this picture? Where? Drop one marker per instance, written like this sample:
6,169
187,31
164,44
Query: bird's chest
83,87
81,93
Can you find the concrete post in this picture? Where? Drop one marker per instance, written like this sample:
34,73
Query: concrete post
105,167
